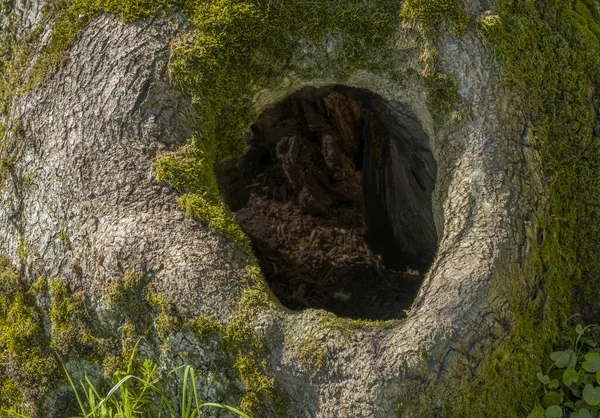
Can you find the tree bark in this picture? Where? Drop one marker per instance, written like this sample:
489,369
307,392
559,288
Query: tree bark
88,139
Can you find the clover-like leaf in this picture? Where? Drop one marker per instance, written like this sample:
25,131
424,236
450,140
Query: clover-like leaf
563,359
570,376
572,359
554,384
554,411
551,398
538,412
584,413
591,394
579,329
592,362
543,378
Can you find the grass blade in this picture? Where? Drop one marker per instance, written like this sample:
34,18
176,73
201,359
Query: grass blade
227,407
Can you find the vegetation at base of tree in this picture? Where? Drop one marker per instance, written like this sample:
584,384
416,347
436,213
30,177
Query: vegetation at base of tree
571,386
140,396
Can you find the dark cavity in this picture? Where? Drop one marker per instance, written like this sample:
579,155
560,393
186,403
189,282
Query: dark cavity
335,195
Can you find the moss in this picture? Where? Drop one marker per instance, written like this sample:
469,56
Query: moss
64,238
167,321
11,398
549,54
15,58
250,357
236,49
190,172
23,249
28,181
206,327
128,298
433,14
310,351
23,342
71,16
350,325
71,330
128,341
250,362
218,217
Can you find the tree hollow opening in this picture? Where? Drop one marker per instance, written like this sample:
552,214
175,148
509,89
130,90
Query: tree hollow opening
335,194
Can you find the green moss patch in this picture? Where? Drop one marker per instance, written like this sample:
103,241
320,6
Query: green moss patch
71,324
250,357
310,351
433,14
26,363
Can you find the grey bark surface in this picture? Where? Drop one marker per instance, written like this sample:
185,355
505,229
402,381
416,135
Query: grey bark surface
90,136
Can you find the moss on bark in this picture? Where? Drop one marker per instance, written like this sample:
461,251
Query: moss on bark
549,55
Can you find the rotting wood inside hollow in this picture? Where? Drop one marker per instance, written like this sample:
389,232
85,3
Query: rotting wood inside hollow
335,195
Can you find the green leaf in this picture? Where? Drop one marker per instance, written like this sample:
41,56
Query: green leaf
572,359
543,378
591,395
588,341
585,413
538,412
592,362
563,359
554,412
554,384
551,398
570,376
579,329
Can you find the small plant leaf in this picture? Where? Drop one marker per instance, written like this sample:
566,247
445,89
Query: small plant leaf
538,412
579,329
570,376
554,412
554,384
562,358
592,362
591,395
551,398
589,341
572,359
585,413
543,378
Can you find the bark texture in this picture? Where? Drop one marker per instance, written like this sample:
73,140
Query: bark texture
88,138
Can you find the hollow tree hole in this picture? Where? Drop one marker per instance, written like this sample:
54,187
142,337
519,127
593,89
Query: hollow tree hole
335,195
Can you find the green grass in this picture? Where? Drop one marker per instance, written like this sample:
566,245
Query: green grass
139,396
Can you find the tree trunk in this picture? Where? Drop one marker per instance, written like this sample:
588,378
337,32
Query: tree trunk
81,203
